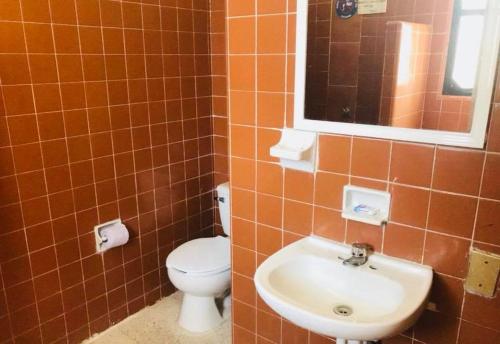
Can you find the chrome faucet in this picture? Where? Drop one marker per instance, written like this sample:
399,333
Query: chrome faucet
359,254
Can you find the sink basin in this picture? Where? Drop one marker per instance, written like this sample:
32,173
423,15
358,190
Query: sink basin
307,284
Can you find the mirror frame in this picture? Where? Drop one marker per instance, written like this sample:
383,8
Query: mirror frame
483,93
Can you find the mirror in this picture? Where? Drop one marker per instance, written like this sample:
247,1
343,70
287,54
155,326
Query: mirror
424,66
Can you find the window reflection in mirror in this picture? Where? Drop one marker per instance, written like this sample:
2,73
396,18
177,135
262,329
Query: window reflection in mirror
414,66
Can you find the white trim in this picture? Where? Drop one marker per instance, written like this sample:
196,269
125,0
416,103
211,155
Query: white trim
482,93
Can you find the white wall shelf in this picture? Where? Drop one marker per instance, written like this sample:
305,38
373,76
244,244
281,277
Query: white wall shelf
296,150
366,205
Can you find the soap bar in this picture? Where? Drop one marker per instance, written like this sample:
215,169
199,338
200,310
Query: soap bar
363,208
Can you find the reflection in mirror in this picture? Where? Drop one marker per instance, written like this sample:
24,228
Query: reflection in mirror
414,66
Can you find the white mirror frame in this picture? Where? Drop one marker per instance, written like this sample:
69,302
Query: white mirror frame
481,105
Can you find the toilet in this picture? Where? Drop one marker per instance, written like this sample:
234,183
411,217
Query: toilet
201,269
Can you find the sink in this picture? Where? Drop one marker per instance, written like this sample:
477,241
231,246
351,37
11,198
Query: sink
307,284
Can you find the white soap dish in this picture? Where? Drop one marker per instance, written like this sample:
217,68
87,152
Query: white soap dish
296,150
366,205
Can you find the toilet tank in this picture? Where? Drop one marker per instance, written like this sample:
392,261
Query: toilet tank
224,207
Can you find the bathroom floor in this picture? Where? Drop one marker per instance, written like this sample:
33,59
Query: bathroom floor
158,325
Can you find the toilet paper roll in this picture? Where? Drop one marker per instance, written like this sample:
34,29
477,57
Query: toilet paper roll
113,236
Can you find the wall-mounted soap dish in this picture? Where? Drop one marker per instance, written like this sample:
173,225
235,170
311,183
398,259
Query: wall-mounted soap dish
366,205
296,150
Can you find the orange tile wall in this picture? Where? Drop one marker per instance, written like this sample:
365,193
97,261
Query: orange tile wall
445,199
105,112
347,57
403,96
442,112
219,96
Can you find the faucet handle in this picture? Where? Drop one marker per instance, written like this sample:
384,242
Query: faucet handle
361,249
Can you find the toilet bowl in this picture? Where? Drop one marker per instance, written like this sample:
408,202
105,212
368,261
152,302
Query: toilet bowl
201,269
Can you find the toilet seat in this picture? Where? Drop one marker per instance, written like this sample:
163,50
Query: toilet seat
201,256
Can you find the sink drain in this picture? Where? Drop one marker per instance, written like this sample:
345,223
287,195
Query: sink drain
342,310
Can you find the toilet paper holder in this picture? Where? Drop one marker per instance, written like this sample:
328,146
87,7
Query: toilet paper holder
101,239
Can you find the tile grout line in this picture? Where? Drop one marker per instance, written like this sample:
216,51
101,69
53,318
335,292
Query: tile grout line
472,241
99,215
69,160
134,174
148,101
255,145
39,323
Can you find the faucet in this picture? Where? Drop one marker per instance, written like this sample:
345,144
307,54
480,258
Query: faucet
359,254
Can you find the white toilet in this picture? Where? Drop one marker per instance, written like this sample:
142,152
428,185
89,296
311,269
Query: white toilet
201,269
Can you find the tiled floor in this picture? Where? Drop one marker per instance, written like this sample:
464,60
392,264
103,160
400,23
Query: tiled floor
158,325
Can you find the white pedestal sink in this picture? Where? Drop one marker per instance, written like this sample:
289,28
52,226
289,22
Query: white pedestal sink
307,284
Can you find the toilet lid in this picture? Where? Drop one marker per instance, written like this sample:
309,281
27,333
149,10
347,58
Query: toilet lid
201,256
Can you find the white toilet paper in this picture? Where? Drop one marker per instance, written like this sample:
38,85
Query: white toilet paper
113,236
